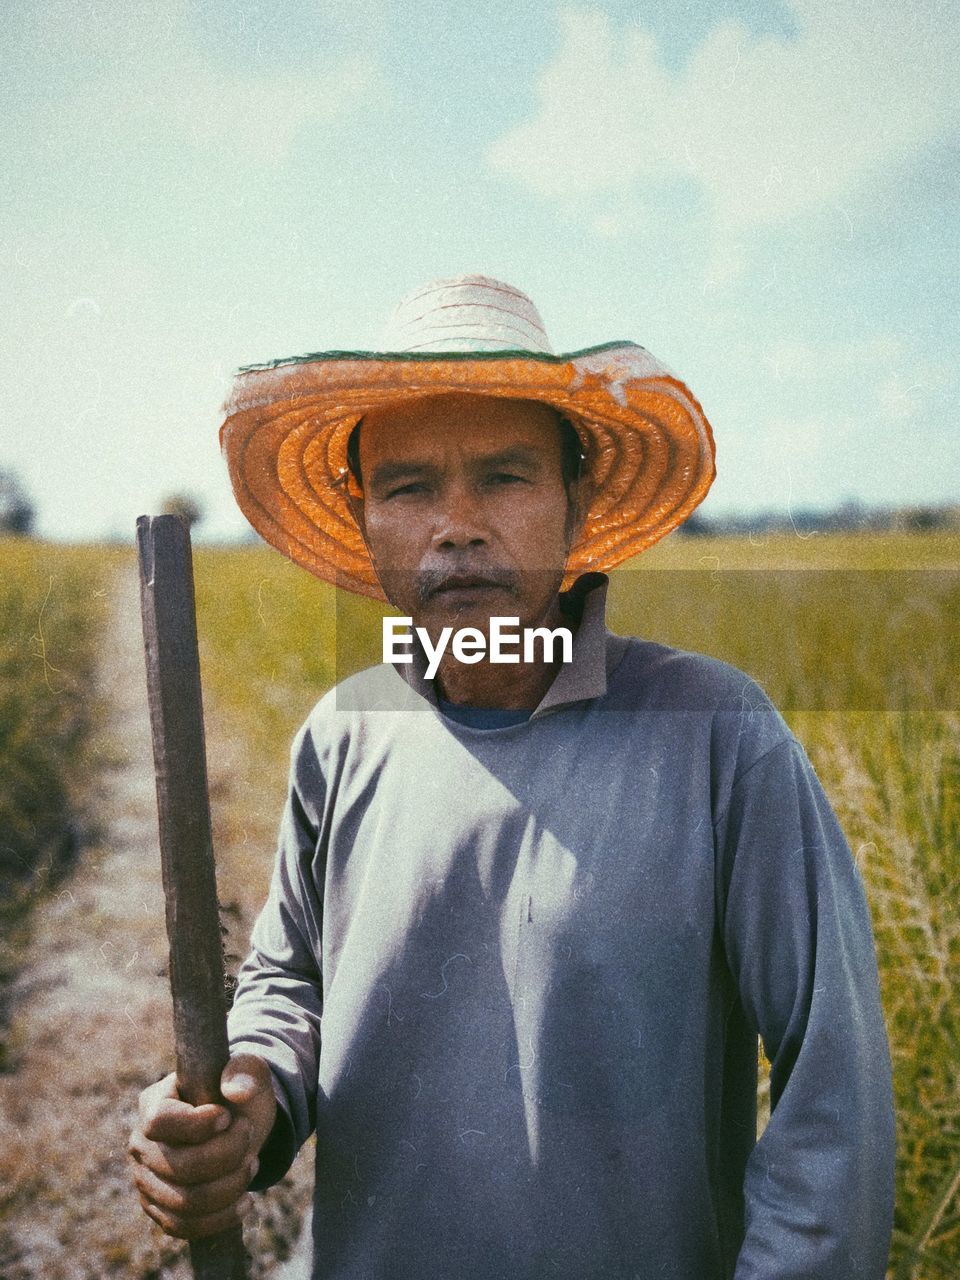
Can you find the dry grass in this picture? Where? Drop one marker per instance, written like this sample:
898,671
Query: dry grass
52,611
896,784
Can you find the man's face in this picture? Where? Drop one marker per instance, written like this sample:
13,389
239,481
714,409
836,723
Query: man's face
466,512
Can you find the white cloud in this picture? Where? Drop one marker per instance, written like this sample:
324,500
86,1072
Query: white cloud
779,461
608,225
141,67
896,399
790,358
769,128
911,390
118,389
726,264
262,115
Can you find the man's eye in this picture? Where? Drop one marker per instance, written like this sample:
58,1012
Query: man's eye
506,478
401,490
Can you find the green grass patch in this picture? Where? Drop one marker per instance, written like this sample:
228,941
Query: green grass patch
53,605
272,641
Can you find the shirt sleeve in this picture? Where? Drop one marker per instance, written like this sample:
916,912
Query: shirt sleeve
818,1187
278,1002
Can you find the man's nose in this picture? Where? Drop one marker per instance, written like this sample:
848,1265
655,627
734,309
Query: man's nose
460,524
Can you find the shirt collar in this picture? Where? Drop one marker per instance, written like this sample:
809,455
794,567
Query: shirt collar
595,651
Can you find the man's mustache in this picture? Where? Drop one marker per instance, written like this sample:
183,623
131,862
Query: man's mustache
429,582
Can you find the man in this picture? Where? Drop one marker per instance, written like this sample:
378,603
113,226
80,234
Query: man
528,917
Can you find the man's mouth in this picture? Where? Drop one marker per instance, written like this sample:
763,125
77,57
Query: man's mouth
433,586
467,584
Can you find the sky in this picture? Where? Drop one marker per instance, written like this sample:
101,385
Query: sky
764,195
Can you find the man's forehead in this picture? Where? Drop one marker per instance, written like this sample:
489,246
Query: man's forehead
464,424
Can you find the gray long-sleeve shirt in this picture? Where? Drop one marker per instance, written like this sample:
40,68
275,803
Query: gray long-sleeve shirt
514,978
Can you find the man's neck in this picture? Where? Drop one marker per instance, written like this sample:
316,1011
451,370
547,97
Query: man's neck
510,686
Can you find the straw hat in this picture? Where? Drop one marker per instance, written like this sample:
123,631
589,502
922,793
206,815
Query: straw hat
648,448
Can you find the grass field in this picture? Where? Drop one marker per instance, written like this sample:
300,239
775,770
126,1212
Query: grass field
861,656
53,602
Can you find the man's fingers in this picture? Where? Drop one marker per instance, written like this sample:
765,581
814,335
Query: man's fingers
201,1162
244,1076
195,1228
198,1201
167,1119
165,1088
193,1164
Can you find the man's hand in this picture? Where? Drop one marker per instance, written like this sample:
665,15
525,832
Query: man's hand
192,1165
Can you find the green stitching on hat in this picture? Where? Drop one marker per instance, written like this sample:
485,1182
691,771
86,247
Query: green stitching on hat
510,354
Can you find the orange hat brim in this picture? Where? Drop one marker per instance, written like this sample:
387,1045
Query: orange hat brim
649,449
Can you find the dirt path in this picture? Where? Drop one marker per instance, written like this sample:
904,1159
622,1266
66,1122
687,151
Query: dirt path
91,1021
297,1267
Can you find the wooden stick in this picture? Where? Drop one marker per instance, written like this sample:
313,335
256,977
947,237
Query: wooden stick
186,844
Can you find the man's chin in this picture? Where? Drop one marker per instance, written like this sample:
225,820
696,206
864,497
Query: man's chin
460,607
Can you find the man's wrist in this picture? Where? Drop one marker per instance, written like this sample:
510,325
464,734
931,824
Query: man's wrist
274,1139
277,1151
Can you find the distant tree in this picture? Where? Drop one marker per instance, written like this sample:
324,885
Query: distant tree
695,526
849,515
183,505
17,512
921,519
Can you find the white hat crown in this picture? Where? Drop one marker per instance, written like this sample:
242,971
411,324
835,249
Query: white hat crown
467,313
